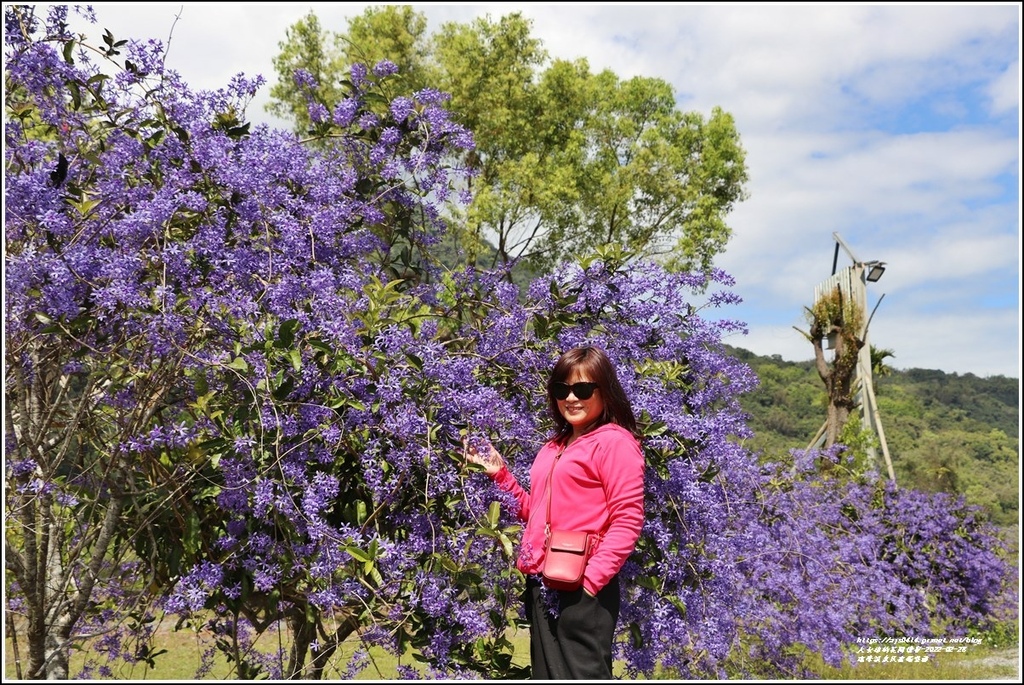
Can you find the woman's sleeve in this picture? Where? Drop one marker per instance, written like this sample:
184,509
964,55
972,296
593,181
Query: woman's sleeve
622,472
507,482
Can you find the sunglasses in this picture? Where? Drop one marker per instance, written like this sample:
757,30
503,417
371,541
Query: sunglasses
582,391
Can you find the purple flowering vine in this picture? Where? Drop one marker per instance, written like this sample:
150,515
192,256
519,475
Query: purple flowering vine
233,358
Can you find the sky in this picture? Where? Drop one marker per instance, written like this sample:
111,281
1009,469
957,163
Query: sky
894,128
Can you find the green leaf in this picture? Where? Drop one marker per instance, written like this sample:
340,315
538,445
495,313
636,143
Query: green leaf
494,514
286,333
85,206
506,544
192,540
318,344
357,554
635,636
284,388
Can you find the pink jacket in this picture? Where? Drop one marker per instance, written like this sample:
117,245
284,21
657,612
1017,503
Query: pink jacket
597,486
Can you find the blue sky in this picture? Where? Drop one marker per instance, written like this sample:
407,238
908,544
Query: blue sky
896,127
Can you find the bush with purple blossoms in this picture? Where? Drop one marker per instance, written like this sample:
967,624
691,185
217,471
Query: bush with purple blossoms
268,380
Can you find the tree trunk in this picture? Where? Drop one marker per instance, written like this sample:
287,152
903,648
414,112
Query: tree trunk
838,379
303,634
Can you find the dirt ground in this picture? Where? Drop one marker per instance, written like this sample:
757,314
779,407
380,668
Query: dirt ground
1009,658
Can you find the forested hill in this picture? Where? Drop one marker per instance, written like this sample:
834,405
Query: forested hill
950,432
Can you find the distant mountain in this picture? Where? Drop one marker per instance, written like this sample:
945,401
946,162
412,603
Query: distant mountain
948,432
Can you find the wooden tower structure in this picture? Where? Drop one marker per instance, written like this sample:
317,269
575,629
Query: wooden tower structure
852,283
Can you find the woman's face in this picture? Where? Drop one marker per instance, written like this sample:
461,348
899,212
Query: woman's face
578,412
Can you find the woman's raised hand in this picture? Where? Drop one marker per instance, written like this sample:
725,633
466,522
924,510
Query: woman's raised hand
488,457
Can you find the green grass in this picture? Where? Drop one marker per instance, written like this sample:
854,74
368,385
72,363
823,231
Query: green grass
977,663
184,654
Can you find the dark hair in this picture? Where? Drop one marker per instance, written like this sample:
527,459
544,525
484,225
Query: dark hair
595,365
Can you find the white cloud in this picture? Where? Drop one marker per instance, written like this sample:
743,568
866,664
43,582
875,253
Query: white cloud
1005,90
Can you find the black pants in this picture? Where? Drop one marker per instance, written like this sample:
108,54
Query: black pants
577,645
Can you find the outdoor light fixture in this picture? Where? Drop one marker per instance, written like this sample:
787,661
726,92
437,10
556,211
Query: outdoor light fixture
875,271
871,271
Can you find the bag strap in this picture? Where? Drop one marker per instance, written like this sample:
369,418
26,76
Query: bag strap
547,516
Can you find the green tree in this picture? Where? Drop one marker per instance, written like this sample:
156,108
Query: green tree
878,366
566,160
394,32
655,179
491,69
305,47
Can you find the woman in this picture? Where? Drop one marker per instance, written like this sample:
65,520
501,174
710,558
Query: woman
596,470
